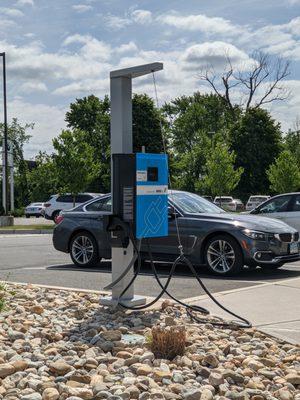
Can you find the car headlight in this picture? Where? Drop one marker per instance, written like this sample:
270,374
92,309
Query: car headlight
256,235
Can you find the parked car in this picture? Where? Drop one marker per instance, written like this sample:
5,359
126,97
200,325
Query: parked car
239,205
58,203
34,210
255,201
210,236
225,202
285,207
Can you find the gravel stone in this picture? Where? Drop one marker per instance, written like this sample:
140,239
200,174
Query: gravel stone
61,345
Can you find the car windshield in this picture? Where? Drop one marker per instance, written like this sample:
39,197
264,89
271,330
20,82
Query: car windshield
193,204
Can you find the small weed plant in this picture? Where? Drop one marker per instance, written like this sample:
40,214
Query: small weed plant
167,342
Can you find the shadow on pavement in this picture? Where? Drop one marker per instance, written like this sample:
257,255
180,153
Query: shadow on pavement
181,271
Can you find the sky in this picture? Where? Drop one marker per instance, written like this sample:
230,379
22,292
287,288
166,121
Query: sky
60,50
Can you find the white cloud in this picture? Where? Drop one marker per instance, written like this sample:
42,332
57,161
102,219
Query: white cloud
11,12
293,2
142,16
84,87
48,120
33,63
214,54
200,22
127,48
32,87
115,22
25,3
6,24
81,8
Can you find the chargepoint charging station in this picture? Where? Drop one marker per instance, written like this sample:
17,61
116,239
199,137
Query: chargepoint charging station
139,188
140,206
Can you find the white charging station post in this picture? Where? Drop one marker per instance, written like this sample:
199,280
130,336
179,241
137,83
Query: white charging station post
121,143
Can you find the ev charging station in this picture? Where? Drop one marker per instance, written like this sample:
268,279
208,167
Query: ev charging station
139,188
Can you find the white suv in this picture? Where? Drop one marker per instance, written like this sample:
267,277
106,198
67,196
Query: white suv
255,201
58,203
226,202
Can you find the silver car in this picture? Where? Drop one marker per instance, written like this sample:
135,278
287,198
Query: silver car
285,207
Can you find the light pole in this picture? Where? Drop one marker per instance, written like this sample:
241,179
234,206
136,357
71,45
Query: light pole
5,172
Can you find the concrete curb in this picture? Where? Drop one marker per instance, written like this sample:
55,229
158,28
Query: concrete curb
26,231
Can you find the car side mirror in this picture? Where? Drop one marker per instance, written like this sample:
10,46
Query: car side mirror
172,213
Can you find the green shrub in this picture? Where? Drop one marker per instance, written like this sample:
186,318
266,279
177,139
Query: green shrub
18,212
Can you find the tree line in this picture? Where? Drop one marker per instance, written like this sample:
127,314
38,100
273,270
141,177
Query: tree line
218,144
214,149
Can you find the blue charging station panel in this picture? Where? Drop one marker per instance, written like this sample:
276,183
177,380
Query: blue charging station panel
151,206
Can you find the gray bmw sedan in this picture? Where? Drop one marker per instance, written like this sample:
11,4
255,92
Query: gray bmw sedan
211,237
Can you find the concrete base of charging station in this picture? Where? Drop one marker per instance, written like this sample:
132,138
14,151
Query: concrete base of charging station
109,301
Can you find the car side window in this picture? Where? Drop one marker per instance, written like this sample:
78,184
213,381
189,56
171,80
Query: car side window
100,205
296,205
82,198
65,199
279,204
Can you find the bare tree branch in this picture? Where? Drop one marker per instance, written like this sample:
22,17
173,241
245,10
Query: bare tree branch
259,85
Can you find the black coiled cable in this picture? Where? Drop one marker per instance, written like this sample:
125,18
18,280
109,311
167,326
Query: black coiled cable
191,309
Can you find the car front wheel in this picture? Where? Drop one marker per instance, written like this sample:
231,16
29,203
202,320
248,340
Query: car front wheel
223,255
83,250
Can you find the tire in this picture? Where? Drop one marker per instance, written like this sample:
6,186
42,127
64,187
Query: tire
55,214
27,216
232,257
80,242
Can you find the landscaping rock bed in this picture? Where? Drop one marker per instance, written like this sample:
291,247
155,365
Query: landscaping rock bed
59,344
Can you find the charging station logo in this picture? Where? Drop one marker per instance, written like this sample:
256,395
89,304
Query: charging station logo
155,222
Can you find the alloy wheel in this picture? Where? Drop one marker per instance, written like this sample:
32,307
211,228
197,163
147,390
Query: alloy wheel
220,256
82,250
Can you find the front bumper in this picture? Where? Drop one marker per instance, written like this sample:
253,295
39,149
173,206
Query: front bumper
267,252
273,259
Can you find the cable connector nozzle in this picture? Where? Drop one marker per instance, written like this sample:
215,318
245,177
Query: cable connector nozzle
180,247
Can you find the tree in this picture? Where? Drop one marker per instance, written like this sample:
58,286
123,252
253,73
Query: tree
292,142
146,127
284,174
195,122
74,162
92,116
256,141
17,133
221,178
259,84
43,180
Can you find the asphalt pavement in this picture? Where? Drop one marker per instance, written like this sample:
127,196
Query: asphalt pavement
32,259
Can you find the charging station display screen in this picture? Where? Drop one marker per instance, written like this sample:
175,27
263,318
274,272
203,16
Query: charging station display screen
151,195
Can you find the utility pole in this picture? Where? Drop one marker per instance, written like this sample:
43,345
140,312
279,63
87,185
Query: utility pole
5,141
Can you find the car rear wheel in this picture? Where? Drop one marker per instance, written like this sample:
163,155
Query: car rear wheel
83,250
223,255
27,216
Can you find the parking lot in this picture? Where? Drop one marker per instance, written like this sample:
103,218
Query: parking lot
32,259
